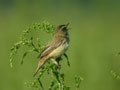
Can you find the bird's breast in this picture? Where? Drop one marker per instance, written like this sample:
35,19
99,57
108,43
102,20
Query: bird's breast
59,50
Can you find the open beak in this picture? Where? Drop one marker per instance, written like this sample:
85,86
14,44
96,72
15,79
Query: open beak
67,24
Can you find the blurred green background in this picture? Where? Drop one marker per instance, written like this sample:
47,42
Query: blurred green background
94,46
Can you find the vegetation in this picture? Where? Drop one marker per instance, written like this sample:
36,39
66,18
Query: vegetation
52,70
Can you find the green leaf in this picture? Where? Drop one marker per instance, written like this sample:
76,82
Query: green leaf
24,55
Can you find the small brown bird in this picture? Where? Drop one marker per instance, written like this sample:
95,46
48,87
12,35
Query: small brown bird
56,47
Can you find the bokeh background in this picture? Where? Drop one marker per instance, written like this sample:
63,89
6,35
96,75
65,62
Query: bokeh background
94,46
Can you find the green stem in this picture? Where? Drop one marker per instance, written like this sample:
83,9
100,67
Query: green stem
40,84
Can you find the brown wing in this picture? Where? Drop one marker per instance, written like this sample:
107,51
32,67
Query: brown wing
51,46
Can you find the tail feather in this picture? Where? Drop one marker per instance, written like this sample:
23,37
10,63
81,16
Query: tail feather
40,64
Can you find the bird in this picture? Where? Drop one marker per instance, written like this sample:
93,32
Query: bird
56,47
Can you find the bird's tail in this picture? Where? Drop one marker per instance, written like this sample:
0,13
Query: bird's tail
40,64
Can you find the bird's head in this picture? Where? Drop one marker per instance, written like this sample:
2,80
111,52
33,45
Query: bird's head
62,29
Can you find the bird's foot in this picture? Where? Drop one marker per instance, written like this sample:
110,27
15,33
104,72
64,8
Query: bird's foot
56,63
